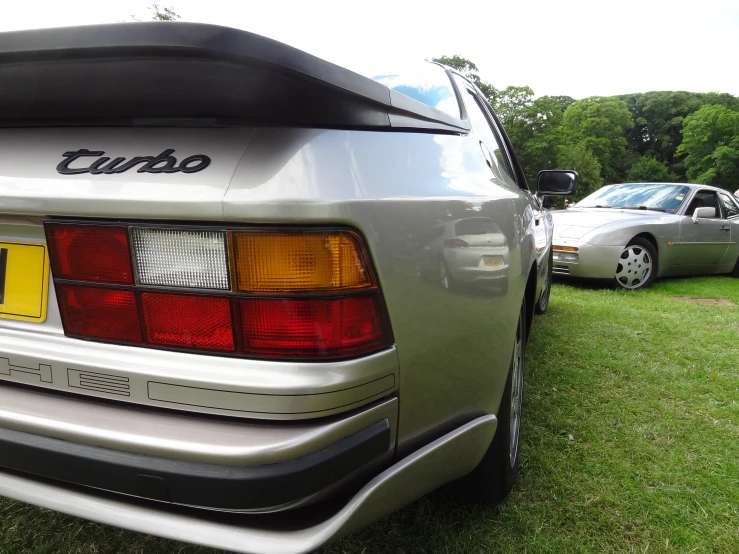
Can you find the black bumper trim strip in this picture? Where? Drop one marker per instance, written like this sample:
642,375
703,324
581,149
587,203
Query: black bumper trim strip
189,483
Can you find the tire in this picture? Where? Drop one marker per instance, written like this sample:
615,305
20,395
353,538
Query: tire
543,303
493,478
639,254
735,272
445,276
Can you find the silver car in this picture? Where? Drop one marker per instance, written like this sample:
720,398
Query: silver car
631,234
211,327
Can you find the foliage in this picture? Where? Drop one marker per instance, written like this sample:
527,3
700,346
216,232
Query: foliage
582,160
655,136
658,122
533,126
163,14
711,145
649,170
599,124
469,69
160,14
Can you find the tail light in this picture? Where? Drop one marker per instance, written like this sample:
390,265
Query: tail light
308,294
455,243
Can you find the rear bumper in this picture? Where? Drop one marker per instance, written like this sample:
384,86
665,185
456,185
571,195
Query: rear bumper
449,457
209,486
214,463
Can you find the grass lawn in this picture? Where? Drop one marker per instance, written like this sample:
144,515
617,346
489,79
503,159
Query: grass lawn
630,443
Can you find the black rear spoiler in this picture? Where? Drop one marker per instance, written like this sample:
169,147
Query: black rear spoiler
165,73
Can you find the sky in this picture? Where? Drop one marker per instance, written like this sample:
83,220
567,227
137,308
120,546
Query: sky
557,47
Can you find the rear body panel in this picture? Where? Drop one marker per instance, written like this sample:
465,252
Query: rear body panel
296,177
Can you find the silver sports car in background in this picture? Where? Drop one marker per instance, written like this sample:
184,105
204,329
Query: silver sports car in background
211,325
632,234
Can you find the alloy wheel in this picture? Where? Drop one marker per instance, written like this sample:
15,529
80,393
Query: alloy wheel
634,267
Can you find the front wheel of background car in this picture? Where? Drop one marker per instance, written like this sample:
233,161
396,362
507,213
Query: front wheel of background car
735,273
637,265
493,478
543,303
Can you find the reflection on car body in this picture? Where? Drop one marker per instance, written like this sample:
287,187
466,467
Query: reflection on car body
469,251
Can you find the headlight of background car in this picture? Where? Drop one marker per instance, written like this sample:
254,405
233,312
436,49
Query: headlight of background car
566,254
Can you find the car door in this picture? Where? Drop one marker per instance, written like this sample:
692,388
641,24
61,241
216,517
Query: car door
704,243
731,211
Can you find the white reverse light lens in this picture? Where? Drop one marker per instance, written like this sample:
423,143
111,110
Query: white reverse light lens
173,258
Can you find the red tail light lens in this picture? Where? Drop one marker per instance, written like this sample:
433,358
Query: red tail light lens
311,327
186,321
101,313
93,253
455,243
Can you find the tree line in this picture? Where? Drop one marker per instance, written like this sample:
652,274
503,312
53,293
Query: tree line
658,136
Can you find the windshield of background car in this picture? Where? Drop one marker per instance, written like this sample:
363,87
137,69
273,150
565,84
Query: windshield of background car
662,198
475,227
427,83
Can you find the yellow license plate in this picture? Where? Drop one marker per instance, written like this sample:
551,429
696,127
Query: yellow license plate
492,261
24,281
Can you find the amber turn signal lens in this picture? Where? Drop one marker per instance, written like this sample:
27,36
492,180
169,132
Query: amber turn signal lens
566,248
270,262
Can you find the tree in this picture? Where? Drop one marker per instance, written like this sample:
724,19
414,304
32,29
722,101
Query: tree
711,146
513,103
579,158
649,170
658,122
160,14
163,14
534,127
469,69
599,124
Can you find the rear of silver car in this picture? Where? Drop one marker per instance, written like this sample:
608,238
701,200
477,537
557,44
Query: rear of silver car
154,373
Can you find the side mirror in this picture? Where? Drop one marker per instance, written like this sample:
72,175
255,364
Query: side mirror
703,213
557,182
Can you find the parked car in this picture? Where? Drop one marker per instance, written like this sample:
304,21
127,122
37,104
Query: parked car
631,234
211,326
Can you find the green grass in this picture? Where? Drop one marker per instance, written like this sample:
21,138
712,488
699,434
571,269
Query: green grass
630,443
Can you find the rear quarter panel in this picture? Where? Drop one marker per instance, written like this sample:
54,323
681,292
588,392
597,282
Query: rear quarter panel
454,346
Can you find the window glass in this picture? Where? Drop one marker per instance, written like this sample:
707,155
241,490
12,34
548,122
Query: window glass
427,83
481,126
656,197
476,226
704,199
730,207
